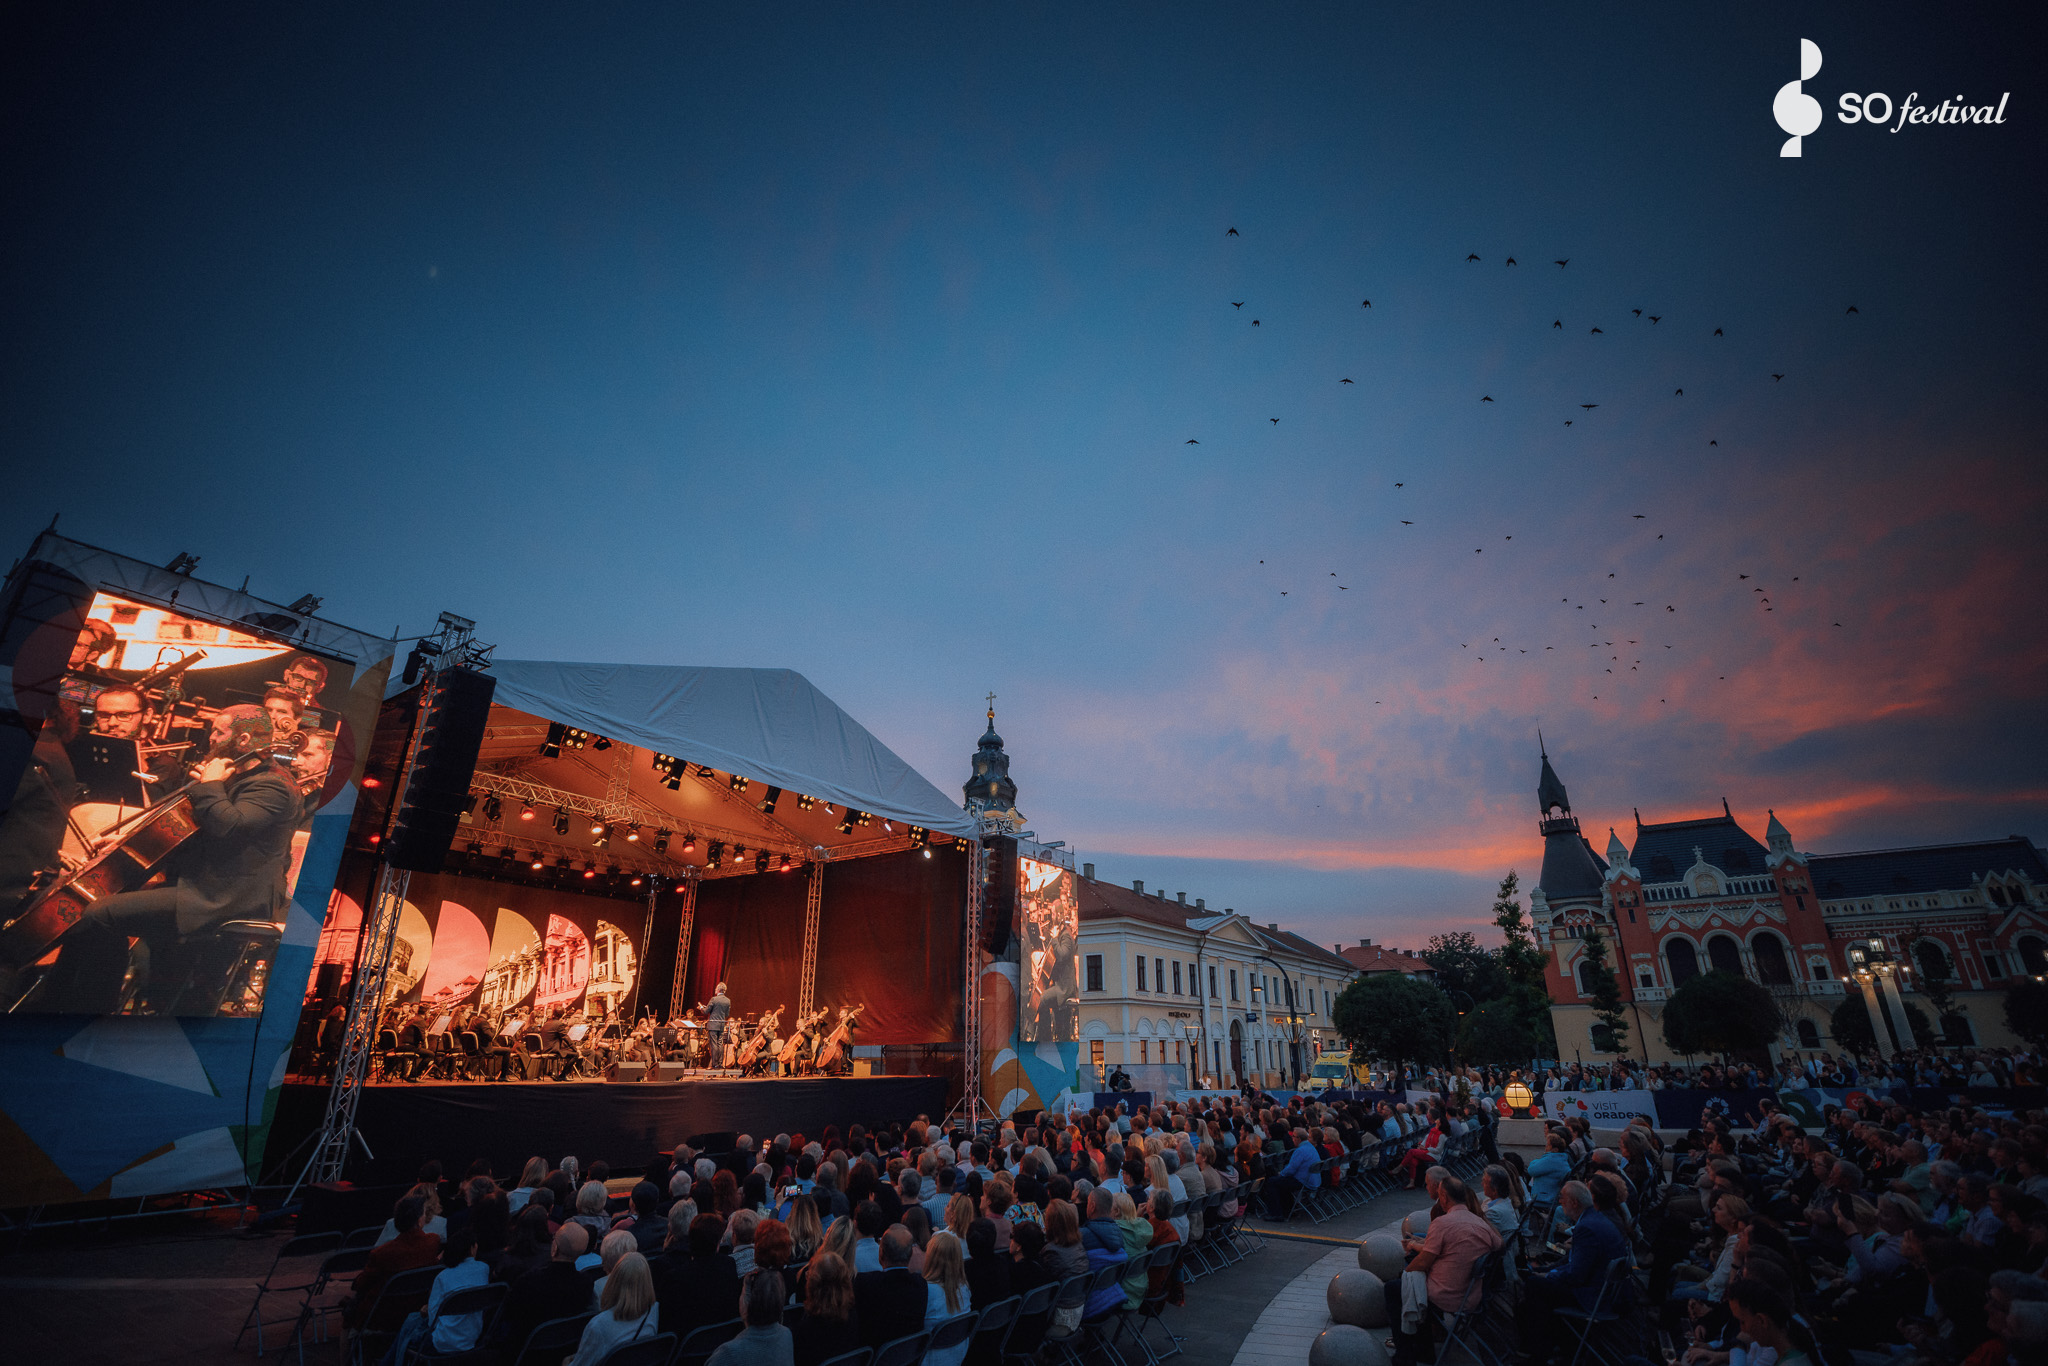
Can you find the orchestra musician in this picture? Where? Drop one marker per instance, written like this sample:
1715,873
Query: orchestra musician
640,1045
247,807
285,709
82,684
305,675
33,830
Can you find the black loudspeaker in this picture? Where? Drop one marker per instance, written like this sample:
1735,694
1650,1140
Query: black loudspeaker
998,893
628,1070
327,983
452,732
671,1071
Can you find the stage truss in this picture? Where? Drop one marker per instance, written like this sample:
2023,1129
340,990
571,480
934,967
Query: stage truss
678,998
813,900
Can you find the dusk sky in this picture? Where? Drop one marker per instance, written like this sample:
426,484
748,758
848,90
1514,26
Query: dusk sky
869,341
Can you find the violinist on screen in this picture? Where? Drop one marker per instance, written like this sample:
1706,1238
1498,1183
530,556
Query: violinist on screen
247,807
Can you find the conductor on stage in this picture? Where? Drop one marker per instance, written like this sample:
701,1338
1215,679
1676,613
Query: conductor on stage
247,808
715,1013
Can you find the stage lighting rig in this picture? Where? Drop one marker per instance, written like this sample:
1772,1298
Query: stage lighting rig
737,783
633,834
561,820
604,835
806,803
689,844
538,862
761,862
785,864
846,822
565,864
475,847
526,811
600,744
713,852
919,836
660,840
589,870
508,853
558,735
739,854
493,808
768,802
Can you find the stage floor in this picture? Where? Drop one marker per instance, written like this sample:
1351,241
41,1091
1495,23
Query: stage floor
622,1123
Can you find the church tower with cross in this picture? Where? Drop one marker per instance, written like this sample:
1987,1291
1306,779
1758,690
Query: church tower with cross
988,789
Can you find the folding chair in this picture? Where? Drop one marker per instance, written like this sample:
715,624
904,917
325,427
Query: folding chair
1034,1316
1462,1328
403,1295
1152,1306
364,1237
1609,1306
305,1245
548,1343
1248,1200
992,1334
907,1350
488,1300
337,1268
949,1333
1073,1348
696,1349
654,1351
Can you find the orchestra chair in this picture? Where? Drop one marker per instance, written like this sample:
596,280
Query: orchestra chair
388,1052
532,1062
219,964
472,1054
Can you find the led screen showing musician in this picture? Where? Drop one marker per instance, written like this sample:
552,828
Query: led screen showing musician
152,848
1048,961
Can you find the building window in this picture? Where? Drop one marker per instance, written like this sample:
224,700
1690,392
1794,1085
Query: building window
1212,980
1094,972
1176,977
1326,1001
1095,1052
1820,970
1646,978
1771,964
1177,1053
1233,984
1194,980
1725,954
1994,964
1684,962
1809,1034
1141,972
1144,1050
1159,974
1586,987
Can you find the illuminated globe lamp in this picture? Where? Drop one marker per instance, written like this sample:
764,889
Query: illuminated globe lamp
1517,1097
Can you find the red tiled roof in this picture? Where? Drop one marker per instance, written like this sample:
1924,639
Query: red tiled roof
1377,958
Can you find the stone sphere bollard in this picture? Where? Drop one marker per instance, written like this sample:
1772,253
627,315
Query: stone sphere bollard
1416,1225
1380,1253
1358,1298
1344,1344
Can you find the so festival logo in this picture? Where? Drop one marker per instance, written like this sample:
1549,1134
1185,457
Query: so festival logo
1799,113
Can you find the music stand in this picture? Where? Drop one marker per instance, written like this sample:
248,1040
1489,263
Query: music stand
106,766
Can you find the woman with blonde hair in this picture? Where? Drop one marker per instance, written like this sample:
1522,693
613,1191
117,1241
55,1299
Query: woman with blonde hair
959,1214
806,1230
626,1313
946,1293
535,1172
839,1240
431,1220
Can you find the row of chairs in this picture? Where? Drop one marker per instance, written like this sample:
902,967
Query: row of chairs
1373,1168
1226,1239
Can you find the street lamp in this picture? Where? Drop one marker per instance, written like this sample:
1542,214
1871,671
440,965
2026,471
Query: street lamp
1520,1101
1194,1036
1293,1014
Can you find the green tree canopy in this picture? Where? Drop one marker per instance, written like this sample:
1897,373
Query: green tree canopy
1850,1022
1720,1013
1510,1030
1519,957
1396,1019
1462,964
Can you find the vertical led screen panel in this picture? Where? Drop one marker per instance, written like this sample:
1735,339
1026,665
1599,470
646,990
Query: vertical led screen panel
1049,934
156,837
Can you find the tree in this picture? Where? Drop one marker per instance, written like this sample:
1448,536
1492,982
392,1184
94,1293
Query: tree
1396,1019
1606,994
1462,964
2026,1011
1935,982
1722,1013
1851,1025
1519,957
1509,1031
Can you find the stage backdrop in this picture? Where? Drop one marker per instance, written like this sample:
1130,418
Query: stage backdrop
888,936
121,1106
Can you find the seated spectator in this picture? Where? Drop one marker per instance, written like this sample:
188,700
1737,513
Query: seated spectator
1027,1266
1448,1257
644,1221
988,1274
616,1245
871,1223
529,1246
700,1288
628,1312
556,1290
1100,1233
764,1341
1066,1261
739,1238
413,1247
431,1219
890,1303
827,1328
1303,1170
530,1178
1596,1244
1548,1172
946,1293
590,1202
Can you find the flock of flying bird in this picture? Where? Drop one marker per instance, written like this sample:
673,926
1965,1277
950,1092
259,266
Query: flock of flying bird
1631,637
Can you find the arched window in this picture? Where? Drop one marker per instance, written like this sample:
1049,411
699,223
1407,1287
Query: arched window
1586,976
1932,961
1684,962
1809,1034
1771,964
1724,955
2034,953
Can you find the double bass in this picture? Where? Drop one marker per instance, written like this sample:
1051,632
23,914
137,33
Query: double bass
793,1046
837,1044
757,1043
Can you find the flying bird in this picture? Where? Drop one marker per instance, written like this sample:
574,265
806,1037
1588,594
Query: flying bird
1639,517
1678,393
1407,523
1589,407
1838,623
1562,264
1231,233
1472,258
1656,318
1558,324
1742,576
1398,484
1637,311
1366,304
1193,442
1511,261
1343,381
1237,303
1852,309
1713,443
1274,420
1255,322
1486,398
1596,332
1717,331
1567,422
1777,376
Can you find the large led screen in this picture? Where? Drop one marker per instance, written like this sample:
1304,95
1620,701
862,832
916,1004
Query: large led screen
1049,931
155,839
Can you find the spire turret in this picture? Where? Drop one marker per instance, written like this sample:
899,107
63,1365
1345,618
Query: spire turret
988,787
1550,793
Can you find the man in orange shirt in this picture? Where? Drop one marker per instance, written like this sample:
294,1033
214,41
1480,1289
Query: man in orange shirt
1448,1255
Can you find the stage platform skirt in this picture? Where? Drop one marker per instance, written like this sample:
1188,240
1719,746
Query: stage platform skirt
622,1123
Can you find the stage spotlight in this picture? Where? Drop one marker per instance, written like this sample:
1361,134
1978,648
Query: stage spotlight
785,864
538,862
681,887
612,868
661,841
927,853
806,803
468,807
475,847
558,734
596,826
761,862
565,864
689,844
508,853
637,880
493,808
712,853
739,853
590,870
888,826
632,834
768,803
919,835
561,821
737,783
526,811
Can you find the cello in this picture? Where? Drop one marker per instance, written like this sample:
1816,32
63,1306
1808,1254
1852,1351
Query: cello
834,1050
130,861
793,1046
764,1029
